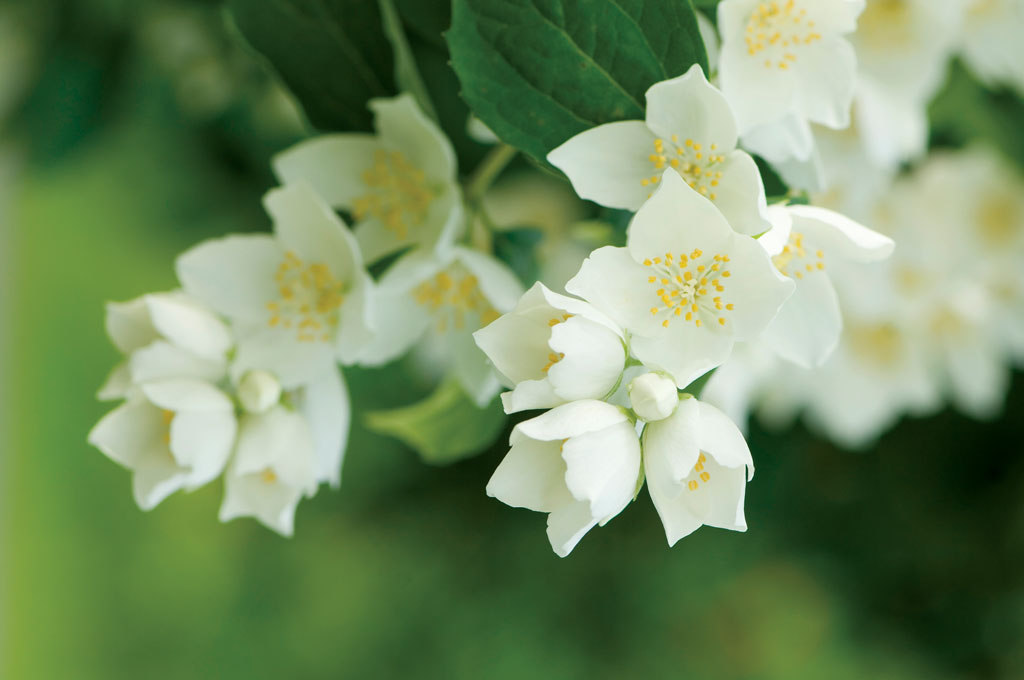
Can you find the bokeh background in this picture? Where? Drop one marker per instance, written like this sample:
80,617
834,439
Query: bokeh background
131,130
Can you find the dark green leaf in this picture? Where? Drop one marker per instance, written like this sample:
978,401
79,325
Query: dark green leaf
540,71
333,54
517,248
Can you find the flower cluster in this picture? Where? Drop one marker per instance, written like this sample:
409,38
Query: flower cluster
238,372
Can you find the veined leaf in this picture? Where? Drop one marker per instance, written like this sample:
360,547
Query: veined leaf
540,71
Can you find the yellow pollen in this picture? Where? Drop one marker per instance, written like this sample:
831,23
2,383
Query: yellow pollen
310,297
454,297
398,194
268,476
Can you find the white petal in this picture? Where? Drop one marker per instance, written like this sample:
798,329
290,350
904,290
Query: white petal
355,328
129,325
530,394
567,525
307,226
683,351
602,468
189,325
690,107
234,275
327,407
333,165
516,344
155,482
279,440
472,369
271,503
740,195
719,436
279,351
728,487
788,138
118,384
675,445
757,95
532,476
131,432
497,282
442,224
806,329
571,420
675,220
161,360
756,288
839,235
827,71
615,283
607,163
185,394
404,127
677,518
202,441
592,361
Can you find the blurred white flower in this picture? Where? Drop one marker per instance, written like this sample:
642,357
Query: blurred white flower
435,303
697,465
399,185
553,349
689,128
807,327
686,286
989,41
299,299
273,468
173,434
782,57
579,462
164,335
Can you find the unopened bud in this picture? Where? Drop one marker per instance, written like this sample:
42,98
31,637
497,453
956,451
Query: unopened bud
258,391
653,396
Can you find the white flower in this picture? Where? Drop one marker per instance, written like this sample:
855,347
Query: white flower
697,465
807,327
686,286
173,434
399,185
553,349
435,303
579,462
788,56
272,470
653,396
298,299
990,41
689,128
324,404
164,335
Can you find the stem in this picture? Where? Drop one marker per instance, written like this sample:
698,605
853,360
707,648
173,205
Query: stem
488,170
407,75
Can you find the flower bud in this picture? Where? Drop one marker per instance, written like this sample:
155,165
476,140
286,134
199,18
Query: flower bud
653,396
258,391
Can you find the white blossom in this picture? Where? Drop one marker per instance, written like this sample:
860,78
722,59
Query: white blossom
686,286
689,127
989,40
553,349
399,185
579,462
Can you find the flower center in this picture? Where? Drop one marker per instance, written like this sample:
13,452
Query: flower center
699,474
455,298
310,299
398,193
775,28
795,256
268,476
690,161
682,287
877,344
998,218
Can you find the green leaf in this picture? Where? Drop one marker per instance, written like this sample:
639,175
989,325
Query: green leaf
443,428
407,75
538,72
517,248
332,54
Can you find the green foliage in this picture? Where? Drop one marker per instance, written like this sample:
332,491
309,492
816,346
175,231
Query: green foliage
538,72
333,54
517,248
445,427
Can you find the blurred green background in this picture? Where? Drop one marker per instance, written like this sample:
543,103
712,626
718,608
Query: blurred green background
902,562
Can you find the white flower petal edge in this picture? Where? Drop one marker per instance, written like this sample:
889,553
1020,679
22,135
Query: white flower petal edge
553,349
690,128
686,286
697,465
400,184
579,463
273,468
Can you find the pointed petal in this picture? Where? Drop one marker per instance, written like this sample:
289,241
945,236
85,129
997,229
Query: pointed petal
233,275
129,325
567,525
571,420
404,127
161,360
592,359
333,165
607,163
683,351
279,351
531,476
839,235
530,394
189,325
602,468
740,195
326,405
690,107
615,283
719,436
806,329
202,441
187,394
